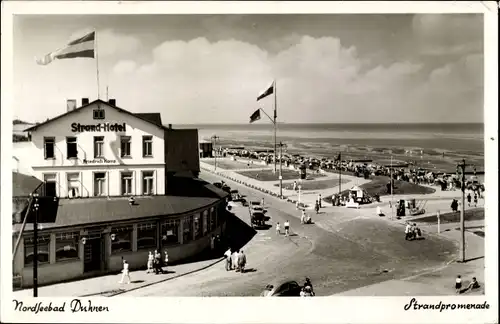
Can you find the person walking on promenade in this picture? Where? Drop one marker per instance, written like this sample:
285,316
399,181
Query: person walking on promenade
166,258
278,228
125,272
458,284
319,200
407,231
235,260
475,199
242,261
303,217
316,207
228,255
150,262
295,186
469,198
287,228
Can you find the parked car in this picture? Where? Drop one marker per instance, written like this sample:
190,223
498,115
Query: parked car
284,288
257,219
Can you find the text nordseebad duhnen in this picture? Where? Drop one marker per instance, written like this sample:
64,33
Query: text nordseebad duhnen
104,127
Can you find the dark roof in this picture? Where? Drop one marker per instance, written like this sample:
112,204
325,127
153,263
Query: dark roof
74,212
154,118
91,103
23,185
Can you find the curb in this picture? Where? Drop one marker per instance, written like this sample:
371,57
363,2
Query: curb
154,283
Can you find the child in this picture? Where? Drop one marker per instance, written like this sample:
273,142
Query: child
458,284
125,272
287,228
150,262
278,228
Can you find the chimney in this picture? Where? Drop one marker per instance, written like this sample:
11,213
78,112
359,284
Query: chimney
85,101
70,104
112,102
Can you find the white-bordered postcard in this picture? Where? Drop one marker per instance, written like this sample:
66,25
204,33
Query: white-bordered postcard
249,162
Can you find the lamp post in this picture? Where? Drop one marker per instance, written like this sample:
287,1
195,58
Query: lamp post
215,138
461,175
392,192
35,247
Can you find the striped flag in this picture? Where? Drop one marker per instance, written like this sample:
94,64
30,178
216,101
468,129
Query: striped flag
269,90
82,47
255,116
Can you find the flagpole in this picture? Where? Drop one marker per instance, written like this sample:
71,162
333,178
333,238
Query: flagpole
97,65
275,125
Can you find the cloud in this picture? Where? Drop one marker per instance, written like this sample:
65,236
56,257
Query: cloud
124,67
110,42
448,34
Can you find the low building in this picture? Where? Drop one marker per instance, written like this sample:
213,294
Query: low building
116,185
206,149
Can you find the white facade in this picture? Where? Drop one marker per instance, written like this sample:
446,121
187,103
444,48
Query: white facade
115,154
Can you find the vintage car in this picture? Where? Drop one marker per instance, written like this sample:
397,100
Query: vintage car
257,219
285,288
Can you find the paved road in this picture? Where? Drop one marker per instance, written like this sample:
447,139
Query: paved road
353,252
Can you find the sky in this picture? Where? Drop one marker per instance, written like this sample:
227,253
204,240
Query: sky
203,69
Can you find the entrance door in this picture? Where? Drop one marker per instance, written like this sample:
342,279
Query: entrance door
92,255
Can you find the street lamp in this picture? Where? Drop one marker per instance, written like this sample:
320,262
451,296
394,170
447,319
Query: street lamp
281,168
215,138
461,175
36,206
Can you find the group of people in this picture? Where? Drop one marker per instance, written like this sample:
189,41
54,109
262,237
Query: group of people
287,228
155,263
472,285
305,218
236,260
412,231
469,199
307,290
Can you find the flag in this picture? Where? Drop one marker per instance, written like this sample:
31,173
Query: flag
82,47
255,116
266,92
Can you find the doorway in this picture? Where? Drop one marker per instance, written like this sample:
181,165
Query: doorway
93,254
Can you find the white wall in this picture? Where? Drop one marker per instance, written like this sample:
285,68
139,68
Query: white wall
60,165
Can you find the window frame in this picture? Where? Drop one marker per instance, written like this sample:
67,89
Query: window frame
98,140
94,179
147,140
127,175
99,114
119,230
187,220
165,227
68,138
149,226
128,140
79,176
45,142
43,240
66,238
146,176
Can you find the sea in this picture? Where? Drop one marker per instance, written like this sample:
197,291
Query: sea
426,145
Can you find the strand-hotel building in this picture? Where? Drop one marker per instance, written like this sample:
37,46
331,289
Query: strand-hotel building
86,164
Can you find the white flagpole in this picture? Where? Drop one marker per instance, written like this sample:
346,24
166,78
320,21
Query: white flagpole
97,64
275,124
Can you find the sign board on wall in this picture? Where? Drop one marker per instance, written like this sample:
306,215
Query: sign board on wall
103,160
104,127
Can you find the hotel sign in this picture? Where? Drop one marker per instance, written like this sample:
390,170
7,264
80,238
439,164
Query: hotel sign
105,127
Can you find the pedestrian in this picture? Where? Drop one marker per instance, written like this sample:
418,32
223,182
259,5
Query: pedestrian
287,228
458,284
316,207
242,261
150,262
469,198
319,200
166,258
262,203
212,243
407,231
295,186
228,254
278,228
303,217
157,262
125,272
235,260
475,199
473,284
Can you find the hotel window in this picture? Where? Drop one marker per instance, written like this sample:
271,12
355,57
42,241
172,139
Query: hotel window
205,222
170,232
127,183
146,236
122,239
147,183
125,146
49,146
43,250
67,246
147,146
99,184
197,226
187,226
99,114
73,184
71,147
98,146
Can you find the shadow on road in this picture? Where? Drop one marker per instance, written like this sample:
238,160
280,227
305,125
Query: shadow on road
249,270
238,233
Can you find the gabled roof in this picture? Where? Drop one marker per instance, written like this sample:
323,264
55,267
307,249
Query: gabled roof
149,118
